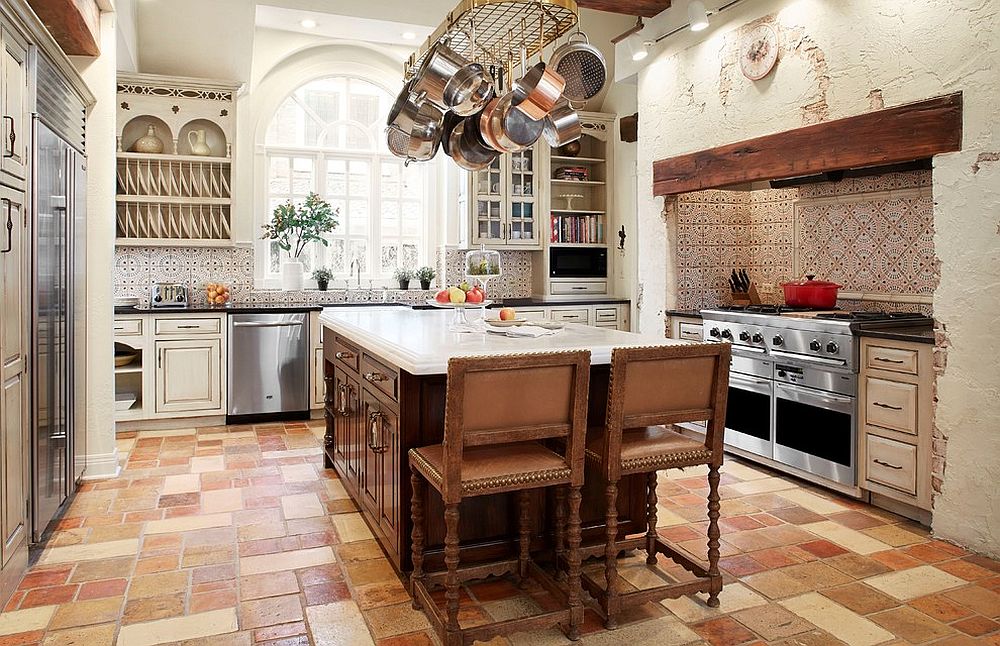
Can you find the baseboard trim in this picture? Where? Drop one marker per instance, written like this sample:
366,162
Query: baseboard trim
102,466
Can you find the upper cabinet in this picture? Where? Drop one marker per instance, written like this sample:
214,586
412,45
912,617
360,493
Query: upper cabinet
175,152
13,102
501,202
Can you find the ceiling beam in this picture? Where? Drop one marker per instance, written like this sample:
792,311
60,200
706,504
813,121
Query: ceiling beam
74,24
900,134
644,8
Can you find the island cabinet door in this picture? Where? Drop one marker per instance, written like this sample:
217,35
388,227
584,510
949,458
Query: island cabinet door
342,420
371,478
390,469
354,444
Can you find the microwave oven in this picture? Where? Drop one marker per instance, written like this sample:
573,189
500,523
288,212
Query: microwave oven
578,262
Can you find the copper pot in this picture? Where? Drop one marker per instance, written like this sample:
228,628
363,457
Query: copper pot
542,88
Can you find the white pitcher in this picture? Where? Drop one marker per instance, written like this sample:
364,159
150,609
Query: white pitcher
198,144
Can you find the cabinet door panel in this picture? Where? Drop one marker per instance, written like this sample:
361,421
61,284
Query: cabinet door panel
342,422
15,90
189,375
371,479
353,437
389,508
12,276
319,386
13,515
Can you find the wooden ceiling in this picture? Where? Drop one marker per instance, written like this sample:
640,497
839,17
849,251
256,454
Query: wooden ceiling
644,8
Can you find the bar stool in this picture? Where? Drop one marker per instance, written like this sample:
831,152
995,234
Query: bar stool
650,390
498,410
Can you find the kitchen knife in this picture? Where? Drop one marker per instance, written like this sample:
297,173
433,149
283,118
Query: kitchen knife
734,280
746,280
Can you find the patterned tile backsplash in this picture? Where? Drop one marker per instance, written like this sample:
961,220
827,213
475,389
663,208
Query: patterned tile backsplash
136,268
872,235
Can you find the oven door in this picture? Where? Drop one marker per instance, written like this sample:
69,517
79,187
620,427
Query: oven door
815,431
748,414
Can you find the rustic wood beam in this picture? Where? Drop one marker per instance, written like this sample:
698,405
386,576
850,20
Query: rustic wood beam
75,24
904,133
644,8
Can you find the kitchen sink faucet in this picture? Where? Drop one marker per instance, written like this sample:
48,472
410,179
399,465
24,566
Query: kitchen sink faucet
356,263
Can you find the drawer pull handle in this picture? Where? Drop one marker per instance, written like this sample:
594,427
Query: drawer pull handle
886,464
373,377
188,327
884,360
344,355
119,328
578,288
889,406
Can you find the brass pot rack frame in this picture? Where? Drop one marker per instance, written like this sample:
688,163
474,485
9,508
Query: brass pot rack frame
501,30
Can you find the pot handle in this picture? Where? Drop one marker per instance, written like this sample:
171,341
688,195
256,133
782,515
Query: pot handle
577,33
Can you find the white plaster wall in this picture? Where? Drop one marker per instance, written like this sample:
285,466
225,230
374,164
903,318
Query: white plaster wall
834,55
99,75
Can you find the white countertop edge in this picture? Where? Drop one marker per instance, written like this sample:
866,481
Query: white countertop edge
423,363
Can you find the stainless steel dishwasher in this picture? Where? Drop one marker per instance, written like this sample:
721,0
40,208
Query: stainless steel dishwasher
268,364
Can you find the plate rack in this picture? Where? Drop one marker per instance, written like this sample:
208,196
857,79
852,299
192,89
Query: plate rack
500,29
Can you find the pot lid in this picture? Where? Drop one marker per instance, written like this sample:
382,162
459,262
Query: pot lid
810,281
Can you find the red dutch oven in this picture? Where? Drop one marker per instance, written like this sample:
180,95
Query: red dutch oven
811,293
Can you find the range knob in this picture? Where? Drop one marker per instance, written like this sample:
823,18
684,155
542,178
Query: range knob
179,298
815,345
714,332
758,337
777,340
744,336
726,334
832,347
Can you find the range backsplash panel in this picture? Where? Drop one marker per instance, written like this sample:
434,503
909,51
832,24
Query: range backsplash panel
873,235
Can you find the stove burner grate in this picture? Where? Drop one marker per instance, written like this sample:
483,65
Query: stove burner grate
869,316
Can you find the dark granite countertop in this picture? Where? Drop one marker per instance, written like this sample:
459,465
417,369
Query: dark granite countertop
694,314
264,308
916,334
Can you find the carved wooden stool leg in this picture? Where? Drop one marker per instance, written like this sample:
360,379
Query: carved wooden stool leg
573,582
651,518
611,556
451,578
416,533
713,533
560,532
524,528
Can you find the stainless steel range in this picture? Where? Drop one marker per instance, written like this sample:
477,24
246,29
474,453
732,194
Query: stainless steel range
794,384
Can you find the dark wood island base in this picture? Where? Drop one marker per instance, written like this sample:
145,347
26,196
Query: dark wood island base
375,412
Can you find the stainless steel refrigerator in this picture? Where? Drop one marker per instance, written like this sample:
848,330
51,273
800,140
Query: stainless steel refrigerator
59,314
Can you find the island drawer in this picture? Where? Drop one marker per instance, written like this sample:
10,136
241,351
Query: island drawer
891,404
188,326
128,327
892,359
346,354
891,463
380,375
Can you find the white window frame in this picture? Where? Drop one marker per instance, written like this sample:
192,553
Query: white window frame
264,153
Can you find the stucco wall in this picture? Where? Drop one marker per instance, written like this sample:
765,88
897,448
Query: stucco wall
839,59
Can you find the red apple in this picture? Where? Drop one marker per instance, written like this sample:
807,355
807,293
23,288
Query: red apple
473,296
443,296
507,313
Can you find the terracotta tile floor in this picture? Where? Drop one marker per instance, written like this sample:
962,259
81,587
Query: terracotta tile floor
236,536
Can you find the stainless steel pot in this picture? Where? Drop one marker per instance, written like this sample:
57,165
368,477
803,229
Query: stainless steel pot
467,148
440,67
582,66
542,87
562,125
469,90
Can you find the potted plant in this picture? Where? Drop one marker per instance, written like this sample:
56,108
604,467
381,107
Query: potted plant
425,275
293,227
404,276
322,277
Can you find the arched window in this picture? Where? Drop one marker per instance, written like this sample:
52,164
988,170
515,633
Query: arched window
327,137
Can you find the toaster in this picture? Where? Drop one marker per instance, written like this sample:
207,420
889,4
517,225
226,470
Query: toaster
168,295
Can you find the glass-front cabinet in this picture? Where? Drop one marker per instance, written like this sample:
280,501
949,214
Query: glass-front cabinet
502,201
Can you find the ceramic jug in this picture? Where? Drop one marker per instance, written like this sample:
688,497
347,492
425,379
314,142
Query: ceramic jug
198,145
149,143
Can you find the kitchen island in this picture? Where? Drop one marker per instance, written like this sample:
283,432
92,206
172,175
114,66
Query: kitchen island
385,372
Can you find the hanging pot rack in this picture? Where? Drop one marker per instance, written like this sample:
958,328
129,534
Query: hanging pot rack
494,32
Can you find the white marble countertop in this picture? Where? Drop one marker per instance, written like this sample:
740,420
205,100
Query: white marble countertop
421,341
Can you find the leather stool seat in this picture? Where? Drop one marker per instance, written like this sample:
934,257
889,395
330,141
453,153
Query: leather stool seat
490,469
652,447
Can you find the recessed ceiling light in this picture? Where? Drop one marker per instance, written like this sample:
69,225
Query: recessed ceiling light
408,35
308,23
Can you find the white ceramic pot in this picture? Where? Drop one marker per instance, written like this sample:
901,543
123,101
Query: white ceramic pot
291,275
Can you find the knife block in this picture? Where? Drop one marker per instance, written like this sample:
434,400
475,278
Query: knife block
749,297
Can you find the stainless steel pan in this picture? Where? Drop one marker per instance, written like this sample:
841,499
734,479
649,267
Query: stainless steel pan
562,125
467,149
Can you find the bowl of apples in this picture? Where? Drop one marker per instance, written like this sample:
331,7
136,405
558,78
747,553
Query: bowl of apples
217,294
461,298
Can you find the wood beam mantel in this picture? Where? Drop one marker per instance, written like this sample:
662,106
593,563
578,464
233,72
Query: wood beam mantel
74,24
644,8
903,133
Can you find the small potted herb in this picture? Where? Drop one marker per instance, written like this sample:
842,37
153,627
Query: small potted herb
403,276
322,277
425,275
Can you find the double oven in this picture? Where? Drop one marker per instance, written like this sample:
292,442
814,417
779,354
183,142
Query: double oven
792,393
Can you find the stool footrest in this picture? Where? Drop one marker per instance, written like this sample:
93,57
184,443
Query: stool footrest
473,572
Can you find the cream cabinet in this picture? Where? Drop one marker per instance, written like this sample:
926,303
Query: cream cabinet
189,376
317,384
608,315
14,98
13,517
685,328
895,404
502,202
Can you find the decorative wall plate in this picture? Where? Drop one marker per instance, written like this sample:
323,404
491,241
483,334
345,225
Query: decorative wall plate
758,51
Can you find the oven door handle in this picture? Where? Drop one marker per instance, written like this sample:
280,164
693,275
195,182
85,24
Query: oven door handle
806,395
840,363
752,384
747,348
